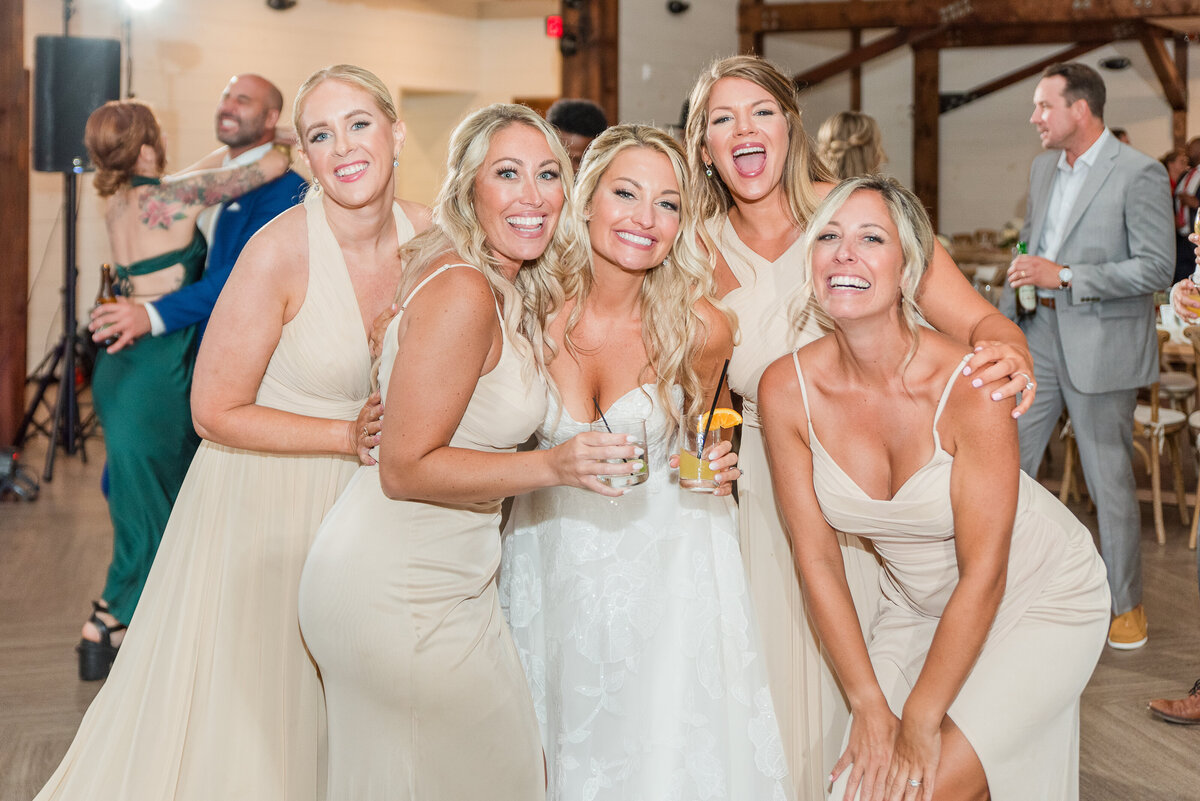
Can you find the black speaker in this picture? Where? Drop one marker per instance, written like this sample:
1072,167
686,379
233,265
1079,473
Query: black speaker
73,76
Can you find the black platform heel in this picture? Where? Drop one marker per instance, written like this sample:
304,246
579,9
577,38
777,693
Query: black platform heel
96,658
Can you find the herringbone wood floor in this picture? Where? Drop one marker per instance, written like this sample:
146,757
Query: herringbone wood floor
53,553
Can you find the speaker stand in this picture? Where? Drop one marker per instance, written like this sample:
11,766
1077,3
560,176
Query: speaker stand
64,427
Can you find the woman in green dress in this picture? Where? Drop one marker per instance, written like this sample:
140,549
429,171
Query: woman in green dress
141,390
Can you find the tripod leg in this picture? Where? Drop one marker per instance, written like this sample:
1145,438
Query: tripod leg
56,426
45,373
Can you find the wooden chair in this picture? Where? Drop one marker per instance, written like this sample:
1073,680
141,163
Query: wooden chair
962,240
987,238
1156,430
1175,388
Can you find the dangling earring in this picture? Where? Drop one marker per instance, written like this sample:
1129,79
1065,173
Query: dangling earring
395,162
316,184
666,262
708,170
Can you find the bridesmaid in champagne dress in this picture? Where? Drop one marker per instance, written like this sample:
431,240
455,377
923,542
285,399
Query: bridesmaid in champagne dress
995,604
398,603
213,694
141,388
757,182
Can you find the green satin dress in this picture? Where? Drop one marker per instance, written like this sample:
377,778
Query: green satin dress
141,394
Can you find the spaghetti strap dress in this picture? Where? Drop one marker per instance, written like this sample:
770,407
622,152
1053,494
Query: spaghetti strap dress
424,689
213,694
1019,707
812,710
141,394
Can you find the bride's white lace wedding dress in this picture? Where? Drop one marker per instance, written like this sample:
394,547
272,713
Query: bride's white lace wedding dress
637,635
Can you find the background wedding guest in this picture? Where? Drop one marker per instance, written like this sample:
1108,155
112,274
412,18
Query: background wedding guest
214,694
1187,201
851,144
1184,710
578,122
246,118
1098,224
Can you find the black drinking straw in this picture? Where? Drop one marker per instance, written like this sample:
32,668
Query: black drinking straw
596,403
711,411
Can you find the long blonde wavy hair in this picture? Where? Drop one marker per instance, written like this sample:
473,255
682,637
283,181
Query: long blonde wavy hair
801,167
535,294
673,332
916,245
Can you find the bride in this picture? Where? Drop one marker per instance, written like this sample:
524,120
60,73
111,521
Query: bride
632,615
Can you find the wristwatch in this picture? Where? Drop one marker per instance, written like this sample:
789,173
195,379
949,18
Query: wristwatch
1064,277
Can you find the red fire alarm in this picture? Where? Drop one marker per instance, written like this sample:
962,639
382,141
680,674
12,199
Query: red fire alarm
554,26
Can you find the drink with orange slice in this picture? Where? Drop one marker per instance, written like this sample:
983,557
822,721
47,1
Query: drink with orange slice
697,436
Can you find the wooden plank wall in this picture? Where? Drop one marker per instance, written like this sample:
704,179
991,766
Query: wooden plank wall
14,216
593,71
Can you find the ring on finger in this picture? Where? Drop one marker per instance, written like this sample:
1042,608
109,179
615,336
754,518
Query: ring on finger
1028,381
363,432
914,782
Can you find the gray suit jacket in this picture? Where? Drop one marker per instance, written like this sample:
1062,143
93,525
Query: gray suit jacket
1118,243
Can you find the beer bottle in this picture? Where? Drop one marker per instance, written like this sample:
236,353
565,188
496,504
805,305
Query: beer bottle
106,294
1026,295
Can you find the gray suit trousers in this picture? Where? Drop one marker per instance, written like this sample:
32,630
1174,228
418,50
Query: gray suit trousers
1103,425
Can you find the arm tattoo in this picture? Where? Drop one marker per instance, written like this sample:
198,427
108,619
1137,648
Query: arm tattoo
164,204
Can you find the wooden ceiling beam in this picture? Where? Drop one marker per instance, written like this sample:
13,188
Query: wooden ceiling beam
856,57
843,14
1164,67
591,54
1039,34
750,42
1003,82
1179,115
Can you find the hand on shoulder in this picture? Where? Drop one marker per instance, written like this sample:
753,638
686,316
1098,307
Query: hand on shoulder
972,412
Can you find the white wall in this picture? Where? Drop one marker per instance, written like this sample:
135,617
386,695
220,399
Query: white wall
661,54
440,57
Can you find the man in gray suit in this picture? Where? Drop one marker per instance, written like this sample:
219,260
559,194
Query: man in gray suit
1099,227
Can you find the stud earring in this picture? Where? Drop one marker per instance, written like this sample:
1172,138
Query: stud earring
708,170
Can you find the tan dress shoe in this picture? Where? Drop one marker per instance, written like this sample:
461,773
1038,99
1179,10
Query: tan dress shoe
1128,631
1185,710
